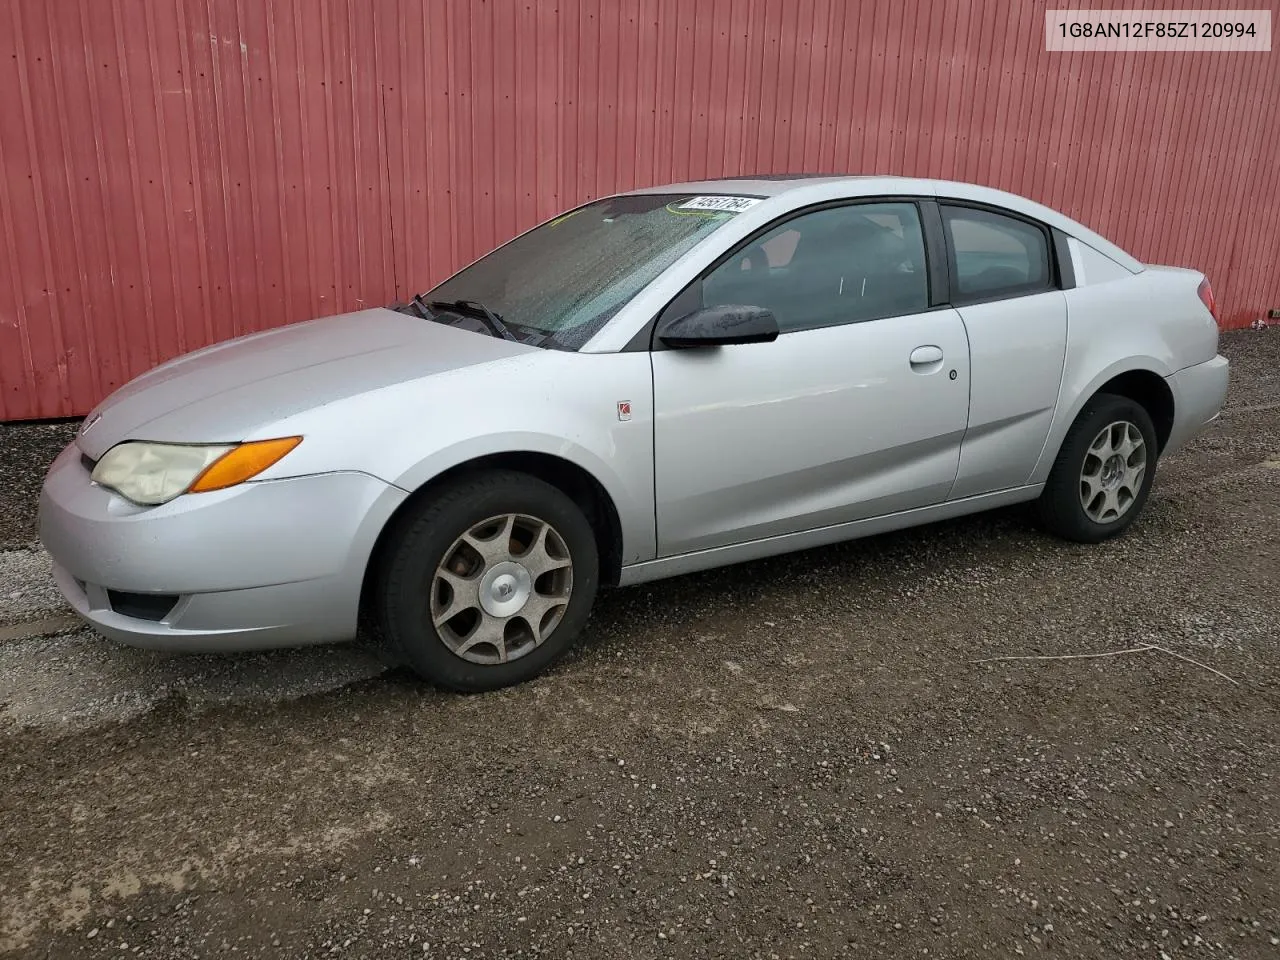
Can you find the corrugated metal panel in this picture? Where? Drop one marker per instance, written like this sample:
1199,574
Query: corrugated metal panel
174,173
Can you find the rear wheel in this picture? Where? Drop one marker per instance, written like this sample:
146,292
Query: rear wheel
488,582
1103,473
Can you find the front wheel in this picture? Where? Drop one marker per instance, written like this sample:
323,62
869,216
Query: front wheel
488,581
1103,473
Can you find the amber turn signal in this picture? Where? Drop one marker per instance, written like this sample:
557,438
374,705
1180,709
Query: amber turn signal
244,462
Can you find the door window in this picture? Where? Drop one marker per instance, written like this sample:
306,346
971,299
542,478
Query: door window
994,255
833,266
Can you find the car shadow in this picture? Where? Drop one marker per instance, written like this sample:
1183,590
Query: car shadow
105,682
857,564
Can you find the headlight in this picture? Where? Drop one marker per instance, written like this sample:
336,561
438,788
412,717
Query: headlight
154,473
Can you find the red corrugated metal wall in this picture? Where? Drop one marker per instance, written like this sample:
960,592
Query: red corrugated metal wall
173,172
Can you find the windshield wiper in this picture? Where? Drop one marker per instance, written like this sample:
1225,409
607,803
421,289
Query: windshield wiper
420,307
480,311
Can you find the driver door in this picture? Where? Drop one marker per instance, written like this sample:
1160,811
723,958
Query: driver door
856,410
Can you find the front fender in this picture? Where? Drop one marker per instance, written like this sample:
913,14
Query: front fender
561,404
632,500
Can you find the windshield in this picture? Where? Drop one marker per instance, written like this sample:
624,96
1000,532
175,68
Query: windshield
562,281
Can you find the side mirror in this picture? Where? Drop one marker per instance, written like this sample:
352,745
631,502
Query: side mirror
720,326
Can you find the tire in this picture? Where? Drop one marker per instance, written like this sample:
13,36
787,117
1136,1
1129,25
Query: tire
467,534
1080,473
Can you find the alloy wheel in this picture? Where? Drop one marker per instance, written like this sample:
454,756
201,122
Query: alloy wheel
501,589
1112,473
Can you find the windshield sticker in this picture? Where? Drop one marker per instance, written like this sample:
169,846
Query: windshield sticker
564,216
720,204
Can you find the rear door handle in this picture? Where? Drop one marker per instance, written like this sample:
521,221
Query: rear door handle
926,356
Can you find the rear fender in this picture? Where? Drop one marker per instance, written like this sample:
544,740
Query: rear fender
1079,393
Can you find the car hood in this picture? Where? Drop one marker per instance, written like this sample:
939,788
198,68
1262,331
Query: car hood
225,392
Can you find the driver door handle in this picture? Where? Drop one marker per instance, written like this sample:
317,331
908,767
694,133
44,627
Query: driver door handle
926,356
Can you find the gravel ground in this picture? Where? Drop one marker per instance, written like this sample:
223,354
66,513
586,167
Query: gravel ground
793,758
25,454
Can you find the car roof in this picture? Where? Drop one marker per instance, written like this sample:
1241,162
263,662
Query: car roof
800,189
762,184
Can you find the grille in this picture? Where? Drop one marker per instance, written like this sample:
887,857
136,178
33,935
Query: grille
142,606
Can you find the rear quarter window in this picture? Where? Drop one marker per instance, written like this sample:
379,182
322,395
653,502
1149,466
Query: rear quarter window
996,255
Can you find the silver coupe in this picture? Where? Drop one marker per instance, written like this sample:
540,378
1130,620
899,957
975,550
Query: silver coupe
653,383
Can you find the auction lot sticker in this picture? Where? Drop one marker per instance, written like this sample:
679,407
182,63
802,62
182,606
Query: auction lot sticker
723,204
1103,31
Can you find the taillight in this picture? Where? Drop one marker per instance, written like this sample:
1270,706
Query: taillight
1206,297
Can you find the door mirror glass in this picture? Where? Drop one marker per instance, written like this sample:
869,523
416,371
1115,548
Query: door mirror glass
720,326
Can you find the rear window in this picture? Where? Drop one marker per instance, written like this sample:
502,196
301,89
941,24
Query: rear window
996,255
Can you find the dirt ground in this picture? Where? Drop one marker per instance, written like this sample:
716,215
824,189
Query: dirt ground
798,757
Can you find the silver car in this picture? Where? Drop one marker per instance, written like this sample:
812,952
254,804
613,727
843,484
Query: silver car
654,383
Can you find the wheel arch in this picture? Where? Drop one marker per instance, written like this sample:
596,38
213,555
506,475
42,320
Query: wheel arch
1141,378
570,478
1150,391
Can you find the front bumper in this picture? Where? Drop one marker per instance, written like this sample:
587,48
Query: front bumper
1198,394
265,564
